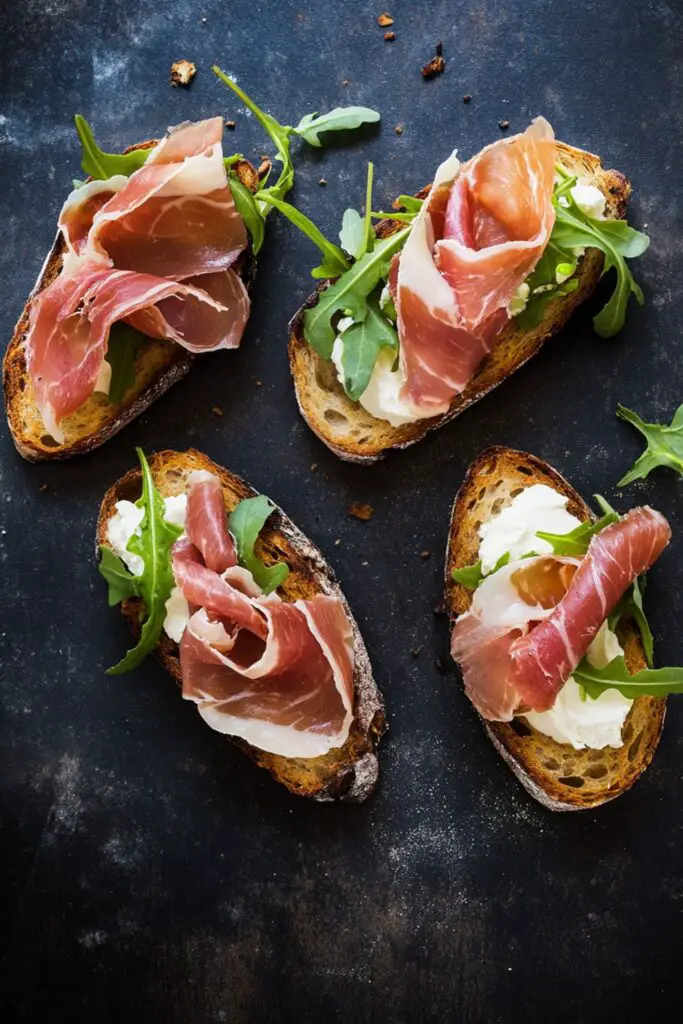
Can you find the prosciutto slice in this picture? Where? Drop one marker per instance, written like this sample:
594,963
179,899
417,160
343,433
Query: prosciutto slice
69,327
480,232
155,249
524,664
278,675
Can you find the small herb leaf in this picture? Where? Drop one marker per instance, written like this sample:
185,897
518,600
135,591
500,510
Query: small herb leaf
334,262
249,211
246,522
100,165
123,346
657,682
362,343
664,445
352,234
311,126
122,583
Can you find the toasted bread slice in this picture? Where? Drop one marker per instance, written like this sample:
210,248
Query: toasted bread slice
348,773
561,778
158,365
353,434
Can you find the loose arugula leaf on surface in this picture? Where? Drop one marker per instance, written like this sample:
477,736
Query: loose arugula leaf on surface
352,234
246,522
334,262
471,576
349,294
575,229
123,346
340,119
664,445
362,343
100,165
249,211
658,682
154,584
122,583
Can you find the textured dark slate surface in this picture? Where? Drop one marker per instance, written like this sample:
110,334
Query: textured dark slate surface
150,872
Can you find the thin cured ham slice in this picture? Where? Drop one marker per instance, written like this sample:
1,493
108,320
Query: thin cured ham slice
519,655
279,675
70,323
156,250
480,232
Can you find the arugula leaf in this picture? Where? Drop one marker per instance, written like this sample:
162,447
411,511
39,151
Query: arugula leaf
249,211
658,682
575,543
123,346
352,234
246,522
349,294
122,583
362,343
340,119
631,607
77,183
471,576
334,261
664,445
575,229
100,165
154,584
411,204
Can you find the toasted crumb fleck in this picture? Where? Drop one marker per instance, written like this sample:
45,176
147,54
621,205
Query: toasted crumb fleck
504,125
264,167
363,562
217,411
384,20
230,124
259,383
314,466
389,37
440,608
182,72
345,82
337,542
398,128
360,510
437,65
424,555
322,181
467,98
44,488
415,651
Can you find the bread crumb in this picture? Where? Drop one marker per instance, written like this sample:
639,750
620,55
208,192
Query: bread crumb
259,383
389,37
384,20
424,555
363,562
345,82
467,98
504,125
322,181
44,488
436,66
314,466
415,651
360,510
217,410
264,167
398,128
230,124
182,72
440,608
337,542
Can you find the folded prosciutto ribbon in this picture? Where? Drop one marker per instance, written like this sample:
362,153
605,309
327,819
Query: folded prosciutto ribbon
155,250
276,674
479,234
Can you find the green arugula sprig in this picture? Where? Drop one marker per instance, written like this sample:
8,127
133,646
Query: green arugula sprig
471,576
101,165
122,348
311,126
153,544
664,445
658,682
246,522
356,235
575,229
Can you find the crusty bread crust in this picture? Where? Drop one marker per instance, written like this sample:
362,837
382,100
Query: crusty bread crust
158,365
561,778
349,773
353,434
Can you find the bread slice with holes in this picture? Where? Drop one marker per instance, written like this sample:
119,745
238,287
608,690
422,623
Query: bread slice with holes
353,434
560,777
158,365
349,773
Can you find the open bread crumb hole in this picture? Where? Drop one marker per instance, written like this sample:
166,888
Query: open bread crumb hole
497,506
627,732
519,726
517,491
551,764
525,471
572,780
598,771
49,442
335,418
634,748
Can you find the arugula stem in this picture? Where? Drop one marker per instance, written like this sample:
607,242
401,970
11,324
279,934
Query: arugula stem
369,233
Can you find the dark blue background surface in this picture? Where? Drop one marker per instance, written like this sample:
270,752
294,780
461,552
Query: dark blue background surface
151,872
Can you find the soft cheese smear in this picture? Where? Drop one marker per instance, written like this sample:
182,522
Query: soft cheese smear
575,718
123,524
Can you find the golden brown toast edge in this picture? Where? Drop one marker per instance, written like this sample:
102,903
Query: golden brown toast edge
560,777
349,773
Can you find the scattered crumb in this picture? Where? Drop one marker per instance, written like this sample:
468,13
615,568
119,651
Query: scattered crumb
441,666
440,608
504,125
415,651
230,124
345,82
217,411
322,181
384,20
204,21
424,554
437,65
360,510
182,72
398,128
363,562
337,542
314,466
44,487
264,167
259,383
389,37
467,98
